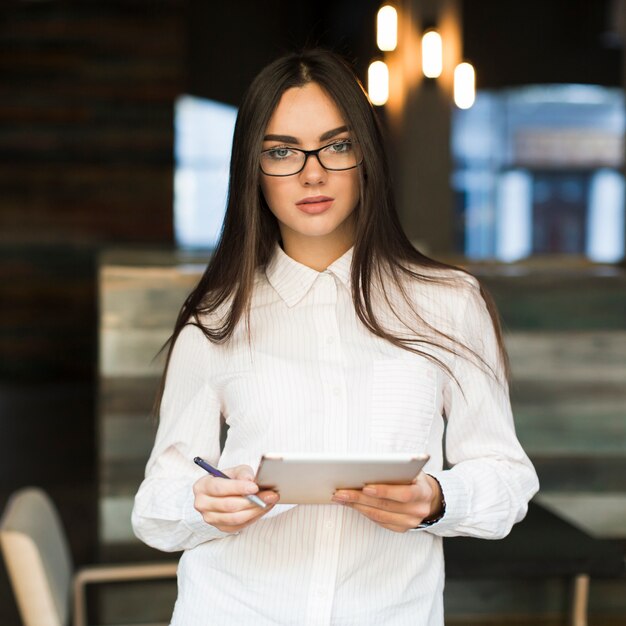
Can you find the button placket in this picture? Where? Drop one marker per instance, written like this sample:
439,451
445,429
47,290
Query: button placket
331,360
324,566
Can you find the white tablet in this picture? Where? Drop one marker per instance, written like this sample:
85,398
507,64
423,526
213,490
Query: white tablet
313,478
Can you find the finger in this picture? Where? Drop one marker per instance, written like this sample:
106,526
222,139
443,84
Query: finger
269,497
397,493
219,487
415,511
232,521
240,472
233,504
228,504
358,497
233,514
388,519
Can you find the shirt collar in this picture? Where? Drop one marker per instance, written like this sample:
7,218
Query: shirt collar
292,280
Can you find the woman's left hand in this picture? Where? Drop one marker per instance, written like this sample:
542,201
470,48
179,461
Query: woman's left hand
396,507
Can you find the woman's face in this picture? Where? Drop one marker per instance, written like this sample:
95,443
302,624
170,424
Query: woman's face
315,206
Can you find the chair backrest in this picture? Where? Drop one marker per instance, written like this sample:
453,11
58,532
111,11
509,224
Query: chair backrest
37,557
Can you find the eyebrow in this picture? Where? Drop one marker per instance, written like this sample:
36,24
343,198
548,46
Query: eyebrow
329,134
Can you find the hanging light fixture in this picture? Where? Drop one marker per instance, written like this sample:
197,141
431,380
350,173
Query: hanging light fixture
387,28
432,54
464,85
378,82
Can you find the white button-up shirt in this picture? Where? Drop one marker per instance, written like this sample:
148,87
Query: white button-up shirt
314,379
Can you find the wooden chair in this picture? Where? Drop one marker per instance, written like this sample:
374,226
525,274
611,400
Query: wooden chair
48,591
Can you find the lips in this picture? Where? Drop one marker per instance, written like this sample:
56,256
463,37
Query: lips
314,200
315,204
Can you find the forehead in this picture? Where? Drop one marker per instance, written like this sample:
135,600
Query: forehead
304,112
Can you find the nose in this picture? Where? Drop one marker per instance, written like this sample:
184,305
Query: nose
313,172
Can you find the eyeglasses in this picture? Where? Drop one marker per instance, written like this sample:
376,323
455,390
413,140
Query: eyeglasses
337,156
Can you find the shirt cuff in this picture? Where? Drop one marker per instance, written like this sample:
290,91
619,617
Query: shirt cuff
457,498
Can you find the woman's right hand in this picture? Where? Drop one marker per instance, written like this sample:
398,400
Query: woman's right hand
223,503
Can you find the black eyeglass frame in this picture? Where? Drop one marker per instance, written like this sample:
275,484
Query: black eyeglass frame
307,154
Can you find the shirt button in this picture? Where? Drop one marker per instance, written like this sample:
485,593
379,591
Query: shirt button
330,340
328,525
336,391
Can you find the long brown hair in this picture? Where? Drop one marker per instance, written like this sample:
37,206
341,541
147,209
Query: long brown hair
382,252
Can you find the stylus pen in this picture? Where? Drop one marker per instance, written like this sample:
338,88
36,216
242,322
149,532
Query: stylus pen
215,472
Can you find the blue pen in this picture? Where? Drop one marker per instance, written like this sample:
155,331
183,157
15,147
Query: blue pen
215,472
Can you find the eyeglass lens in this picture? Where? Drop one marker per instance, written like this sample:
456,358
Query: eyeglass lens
342,155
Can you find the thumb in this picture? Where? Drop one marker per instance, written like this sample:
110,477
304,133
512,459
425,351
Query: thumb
242,472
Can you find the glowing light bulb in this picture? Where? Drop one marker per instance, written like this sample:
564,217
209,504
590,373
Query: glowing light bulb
387,28
378,82
464,85
432,54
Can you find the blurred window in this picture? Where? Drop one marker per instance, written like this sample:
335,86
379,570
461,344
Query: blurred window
538,171
203,137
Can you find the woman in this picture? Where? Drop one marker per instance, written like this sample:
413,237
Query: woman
318,327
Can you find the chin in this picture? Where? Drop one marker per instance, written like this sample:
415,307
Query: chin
316,232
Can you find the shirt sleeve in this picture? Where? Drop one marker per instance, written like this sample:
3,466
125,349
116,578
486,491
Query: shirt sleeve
491,479
189,425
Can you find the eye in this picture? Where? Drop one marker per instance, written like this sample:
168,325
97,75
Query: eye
278,154
340,147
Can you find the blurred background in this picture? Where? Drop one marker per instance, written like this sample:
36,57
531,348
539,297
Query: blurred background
116,118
